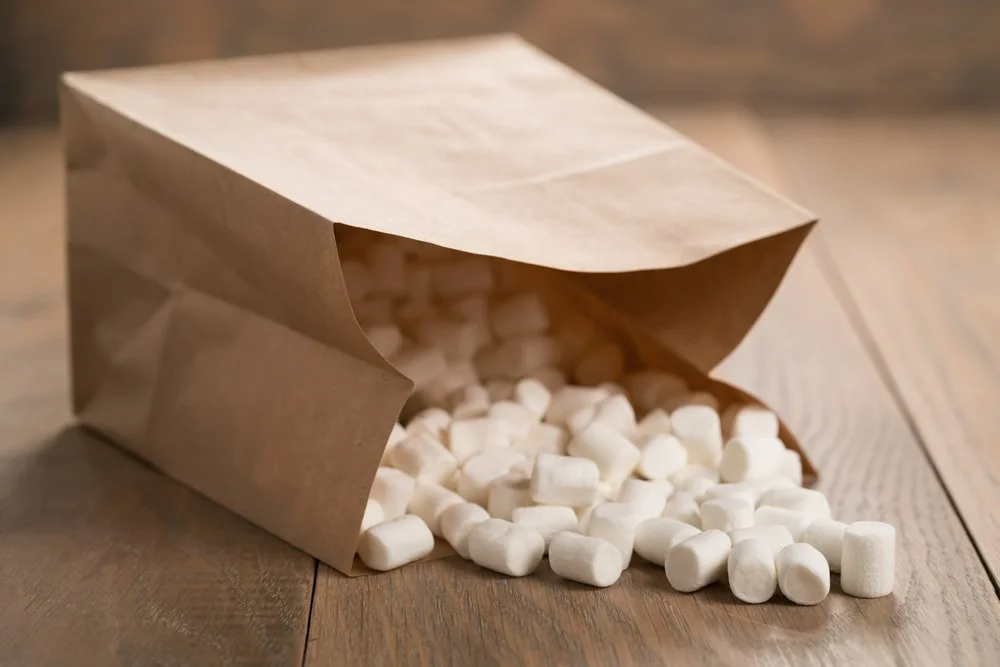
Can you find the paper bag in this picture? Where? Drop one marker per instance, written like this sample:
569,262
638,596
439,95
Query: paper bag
211,330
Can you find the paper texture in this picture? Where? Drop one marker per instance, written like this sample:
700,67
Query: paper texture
211,330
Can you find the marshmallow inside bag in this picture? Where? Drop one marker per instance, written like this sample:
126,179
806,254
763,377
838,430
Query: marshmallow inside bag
617,412
533,395
699,428
507,548
747,458
507,493
520,315
429,502
467,437
373,515
584,559
424,458
750,421
478,473
569,399
602,362
392,489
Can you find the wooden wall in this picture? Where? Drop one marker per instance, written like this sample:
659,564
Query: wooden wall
813,52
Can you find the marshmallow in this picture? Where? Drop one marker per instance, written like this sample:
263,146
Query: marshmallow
684,476
467,275
357,278
471,401
617,524
683,507
423,457
644,497
392,489
581,419
394,543
699,428
388,267
650,389
617,412
753,575
478,472
795,522
552,378
803,574
518,357
543,439
751,490
507,493
458,521
753,421
656,537
514,413
456,377
698,561
564,480
726,514
699,487
546,520
533,395
458,340
746,458
732,491
469,436
500,389
665,487
429,502
806,501
655,423
385,338
602,362
374,515
569,399
614,454
504,547
520,315
433,421
827,535
396,436
584,559
791,466
420,363
868,562
777,537
523,467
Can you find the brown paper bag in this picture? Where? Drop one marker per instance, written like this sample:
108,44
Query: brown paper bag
211,330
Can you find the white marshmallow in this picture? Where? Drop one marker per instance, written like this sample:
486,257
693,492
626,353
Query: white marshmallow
868,562
433,421
524,466
520,315
683,477
533,395
569,399
683,507
500,389
803,574
614,454
424,458
478,472
664,486
806,501
467,437
385,338
581,419
650,389
513,412
388,267
699,428
518,357
584,559
699,487
458,521
458,340
615,523
732,491
420,363
503,547
754,421
777,537
470,402
392,489
429,502
655,423
547,520
795,522
357,278
753,575
602,362
791,466
746,458
564,480
396,436
617,412
644,497
698,561
726,514
394,543
374,515
543,439
442,389
827,535
467,275
507,493
656,537
552,378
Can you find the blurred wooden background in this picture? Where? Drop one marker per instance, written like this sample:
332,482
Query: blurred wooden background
819,53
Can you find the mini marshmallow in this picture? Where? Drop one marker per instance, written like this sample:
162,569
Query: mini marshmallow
392,489
467,275
385,338
507,493
664,487
753,421
650,389
420,363
564,480
569,399
827,535
581,419
458,340
734,491
433,421
791,466
547,520
470,403
520,315
458,521
803,574
584,559
396,436
429,502
698,561
395,543
617,412
617,524
533,395
726,514
684,476
806,501
424,458
552,378
602,362
518,357
699,428
655,423
795,522
699,487
500,389
777,537
753,575
543,439
467,437
656,537
388,267
507,548
683,507
868,561
357,278
457,377
374,515
478,472
614,454
513,412
523,467
746,458
644,497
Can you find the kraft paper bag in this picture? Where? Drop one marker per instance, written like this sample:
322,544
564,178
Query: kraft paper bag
211,330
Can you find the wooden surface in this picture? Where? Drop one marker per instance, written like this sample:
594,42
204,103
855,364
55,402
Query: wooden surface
129,568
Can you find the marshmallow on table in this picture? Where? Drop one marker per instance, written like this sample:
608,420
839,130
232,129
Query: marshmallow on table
387,339
357,278
644,497
429,502
791,466
569,399
394,543
547,520
698,427
776,536
458,521
543,439
500,389
803,574
616,411
656,537
868,561
467,437
698,561
650,389
795,522
374,515
533,395
466,275
423,457
683,507
798,499
507,493
397,435
478,472
726,514
689,472
614,454
507,548
552,378
564,480
754,421
602,362
520,315
615,523
827,536
753,575
392,489
746,458
584,559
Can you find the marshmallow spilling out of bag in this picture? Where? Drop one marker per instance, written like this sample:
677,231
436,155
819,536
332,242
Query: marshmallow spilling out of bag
533,434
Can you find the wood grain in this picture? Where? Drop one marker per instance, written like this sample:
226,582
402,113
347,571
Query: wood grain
806,360
912,233
102,560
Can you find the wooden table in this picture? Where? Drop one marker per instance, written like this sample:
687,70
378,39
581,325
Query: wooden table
882,349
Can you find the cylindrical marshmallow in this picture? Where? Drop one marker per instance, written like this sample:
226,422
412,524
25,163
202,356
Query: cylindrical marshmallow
507,493
617,412
753,421
567,400
520,315
795,522
519,357
698,561
742,492
440,390
602,362
689,472
791,466
581,419
614,454
543,439
547,520
431,420
430,501
478,472
868,561
777,537
644,497
373,515
656,422
684,507
803,574
753,576
655,538
564,480
392,489
424,458
827,535
745,458
457,523
420,363
388,267
700,429
806,501
650,389
533,395
503,547
394,543
726,514
467,437
584,559
396,436
661,456
616,523
700,487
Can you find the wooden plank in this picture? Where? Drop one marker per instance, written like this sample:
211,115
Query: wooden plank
805,358
102,560
912,208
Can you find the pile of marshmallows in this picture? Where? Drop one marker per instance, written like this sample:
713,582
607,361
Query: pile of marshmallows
508,461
